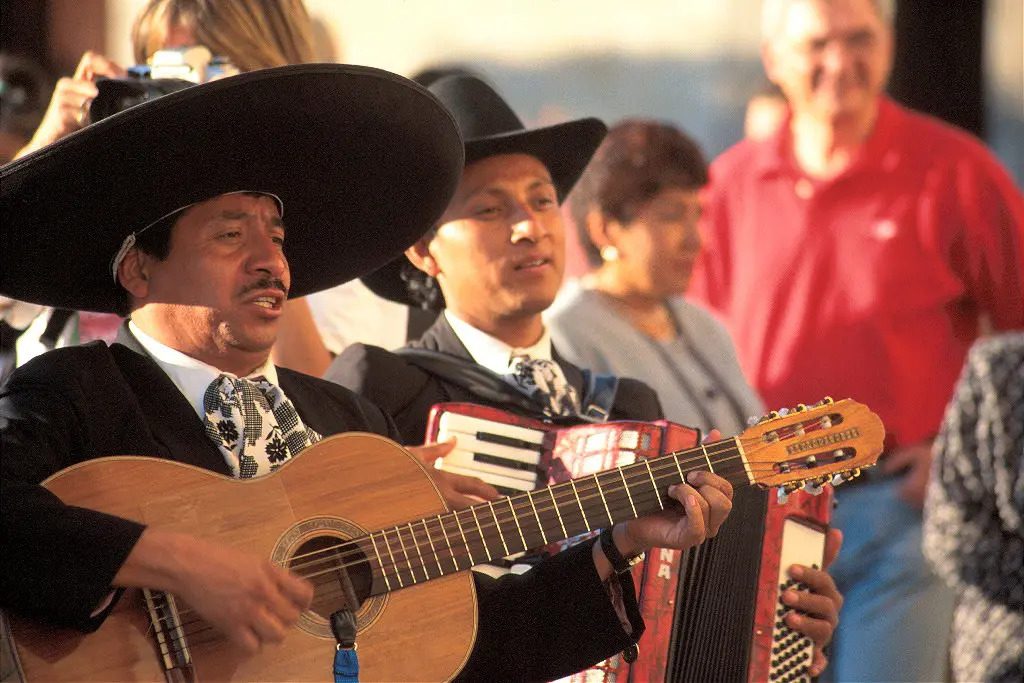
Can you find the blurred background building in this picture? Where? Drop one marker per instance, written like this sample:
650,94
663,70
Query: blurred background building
692,62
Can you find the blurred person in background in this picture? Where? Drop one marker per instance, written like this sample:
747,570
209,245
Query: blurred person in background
973,533
636,211
250,34
856,253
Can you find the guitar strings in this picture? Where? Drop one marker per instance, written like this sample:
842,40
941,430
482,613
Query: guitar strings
754,444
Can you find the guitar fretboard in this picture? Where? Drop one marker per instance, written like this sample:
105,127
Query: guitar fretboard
432,547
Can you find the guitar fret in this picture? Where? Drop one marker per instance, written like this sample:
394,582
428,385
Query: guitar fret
469,551
654,484
579,502
416,544
561,523
675,459
398,572
448,542
497,525
383,572
600,492
480,530
405,553
629,496
540,525
705,450
437,558
515,518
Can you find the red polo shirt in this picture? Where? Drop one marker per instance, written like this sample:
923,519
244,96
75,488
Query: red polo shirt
868,285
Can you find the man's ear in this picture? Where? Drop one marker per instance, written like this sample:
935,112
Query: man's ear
133,273
419,255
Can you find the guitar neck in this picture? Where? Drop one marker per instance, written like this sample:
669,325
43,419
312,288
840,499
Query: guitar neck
447,543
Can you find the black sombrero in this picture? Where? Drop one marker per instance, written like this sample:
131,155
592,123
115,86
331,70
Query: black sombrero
489,126
364,162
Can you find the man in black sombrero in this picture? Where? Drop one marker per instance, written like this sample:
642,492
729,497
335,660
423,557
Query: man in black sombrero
196,215
494,263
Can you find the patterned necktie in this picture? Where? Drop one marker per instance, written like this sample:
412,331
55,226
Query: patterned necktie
254,425
544,382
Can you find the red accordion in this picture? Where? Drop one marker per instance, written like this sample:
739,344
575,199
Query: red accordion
713,612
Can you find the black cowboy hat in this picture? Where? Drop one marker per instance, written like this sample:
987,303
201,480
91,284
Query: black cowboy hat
363,161
489,127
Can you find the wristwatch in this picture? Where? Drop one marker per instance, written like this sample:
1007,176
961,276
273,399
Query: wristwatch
620,564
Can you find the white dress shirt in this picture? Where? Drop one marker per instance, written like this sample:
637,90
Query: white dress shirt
492,353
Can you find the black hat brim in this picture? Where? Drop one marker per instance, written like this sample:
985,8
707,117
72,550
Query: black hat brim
363,160
565,149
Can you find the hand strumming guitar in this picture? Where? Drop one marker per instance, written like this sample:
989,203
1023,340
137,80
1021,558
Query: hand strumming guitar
248,598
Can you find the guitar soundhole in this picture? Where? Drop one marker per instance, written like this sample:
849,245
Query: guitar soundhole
338,570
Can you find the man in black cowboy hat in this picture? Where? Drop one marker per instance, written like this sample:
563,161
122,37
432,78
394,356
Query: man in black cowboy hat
177,216
494,262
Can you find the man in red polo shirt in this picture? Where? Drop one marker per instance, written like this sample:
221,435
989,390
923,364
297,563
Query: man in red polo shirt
858,252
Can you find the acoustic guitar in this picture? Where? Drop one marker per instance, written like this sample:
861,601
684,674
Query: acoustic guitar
359,516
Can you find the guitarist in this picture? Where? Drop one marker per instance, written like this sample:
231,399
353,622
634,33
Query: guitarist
176,218
495,263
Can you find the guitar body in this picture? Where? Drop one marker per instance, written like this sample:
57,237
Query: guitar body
343,487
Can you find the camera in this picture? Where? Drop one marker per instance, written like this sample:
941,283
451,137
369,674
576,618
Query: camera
168,71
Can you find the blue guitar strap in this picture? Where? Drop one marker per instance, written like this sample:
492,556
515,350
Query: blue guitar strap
346,661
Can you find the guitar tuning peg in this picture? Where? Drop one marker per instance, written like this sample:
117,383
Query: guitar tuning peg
773,415
837,479
753,420
855,472
813,488
782,412
827,401
800,408
782,496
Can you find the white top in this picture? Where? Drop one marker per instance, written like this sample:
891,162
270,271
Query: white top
492,353
191,376
351,313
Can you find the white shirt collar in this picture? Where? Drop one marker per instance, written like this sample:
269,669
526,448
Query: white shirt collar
191,376
492,353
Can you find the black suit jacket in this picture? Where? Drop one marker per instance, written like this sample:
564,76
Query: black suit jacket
407,392
84,402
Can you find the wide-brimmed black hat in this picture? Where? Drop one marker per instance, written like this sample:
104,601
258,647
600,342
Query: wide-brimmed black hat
489,127
363,161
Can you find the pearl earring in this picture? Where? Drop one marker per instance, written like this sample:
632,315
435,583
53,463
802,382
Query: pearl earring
609,253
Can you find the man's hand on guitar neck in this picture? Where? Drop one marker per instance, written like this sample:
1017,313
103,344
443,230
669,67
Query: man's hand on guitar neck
820,603
247,598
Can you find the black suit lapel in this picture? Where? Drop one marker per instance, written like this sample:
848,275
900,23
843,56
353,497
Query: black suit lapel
441,337
172,421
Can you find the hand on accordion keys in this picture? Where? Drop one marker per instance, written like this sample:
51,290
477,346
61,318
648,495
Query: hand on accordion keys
458,490
815,610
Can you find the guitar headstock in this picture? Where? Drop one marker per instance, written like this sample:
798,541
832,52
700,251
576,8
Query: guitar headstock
810,446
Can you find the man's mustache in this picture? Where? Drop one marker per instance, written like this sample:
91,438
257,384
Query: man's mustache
266,283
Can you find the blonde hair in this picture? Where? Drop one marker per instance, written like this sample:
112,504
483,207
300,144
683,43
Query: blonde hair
252,34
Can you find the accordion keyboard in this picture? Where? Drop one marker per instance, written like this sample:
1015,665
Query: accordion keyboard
792,651
508,457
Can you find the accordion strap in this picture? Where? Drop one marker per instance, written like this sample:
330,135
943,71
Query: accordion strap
599,390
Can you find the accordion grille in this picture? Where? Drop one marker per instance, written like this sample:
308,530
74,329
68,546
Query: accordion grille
711,634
